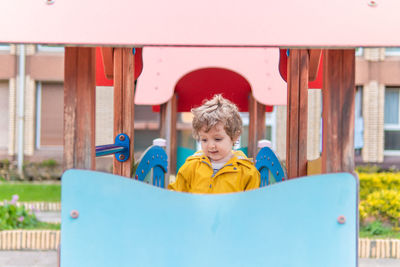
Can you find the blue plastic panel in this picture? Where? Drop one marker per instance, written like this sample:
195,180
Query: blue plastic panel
123,222
154,158
268,162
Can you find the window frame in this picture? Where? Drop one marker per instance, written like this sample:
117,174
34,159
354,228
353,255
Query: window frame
391,127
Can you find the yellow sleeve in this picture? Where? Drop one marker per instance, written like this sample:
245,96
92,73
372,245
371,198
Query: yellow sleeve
254,179
181,183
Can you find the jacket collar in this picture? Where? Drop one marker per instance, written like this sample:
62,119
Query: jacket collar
238,158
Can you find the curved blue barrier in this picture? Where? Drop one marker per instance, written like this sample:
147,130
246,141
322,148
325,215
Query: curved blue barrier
109,220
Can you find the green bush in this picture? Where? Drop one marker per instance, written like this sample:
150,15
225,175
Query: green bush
372,182
380,199
377,229
368,169
13,217
383,205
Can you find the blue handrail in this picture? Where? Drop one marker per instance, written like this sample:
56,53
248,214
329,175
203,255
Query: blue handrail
121,148
105,150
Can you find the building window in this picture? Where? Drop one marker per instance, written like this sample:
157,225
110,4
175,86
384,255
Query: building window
50,48
50,113
392,51
4,111
391,120
359,51
4,47
358,122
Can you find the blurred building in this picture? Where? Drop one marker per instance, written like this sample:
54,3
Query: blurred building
377,123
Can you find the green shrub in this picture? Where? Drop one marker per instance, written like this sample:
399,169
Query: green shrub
50,163
13,217
377,229
380,199
383,205
373,182
368,169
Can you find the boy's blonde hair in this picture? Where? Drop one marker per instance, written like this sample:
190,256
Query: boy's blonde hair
217,110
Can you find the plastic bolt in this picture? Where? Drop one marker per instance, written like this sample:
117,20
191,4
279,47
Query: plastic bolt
74,214
341,219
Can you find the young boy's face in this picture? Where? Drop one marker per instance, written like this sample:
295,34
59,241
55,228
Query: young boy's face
216,144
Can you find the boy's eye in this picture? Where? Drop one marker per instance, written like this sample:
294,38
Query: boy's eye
218,139
203,140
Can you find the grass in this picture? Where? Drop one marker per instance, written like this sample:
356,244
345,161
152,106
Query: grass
31,192
377,230
45,226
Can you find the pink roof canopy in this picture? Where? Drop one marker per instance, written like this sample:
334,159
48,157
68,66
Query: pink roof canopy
310,23
198,73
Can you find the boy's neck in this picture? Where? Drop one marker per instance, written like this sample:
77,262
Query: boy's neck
224,160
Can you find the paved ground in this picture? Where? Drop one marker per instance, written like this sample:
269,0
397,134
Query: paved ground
28,258
49,259
379,263
49,216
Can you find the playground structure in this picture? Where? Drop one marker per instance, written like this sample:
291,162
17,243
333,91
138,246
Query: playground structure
154,162
213,24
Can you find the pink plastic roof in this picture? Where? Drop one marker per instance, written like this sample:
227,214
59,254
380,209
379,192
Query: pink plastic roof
164,67
341,23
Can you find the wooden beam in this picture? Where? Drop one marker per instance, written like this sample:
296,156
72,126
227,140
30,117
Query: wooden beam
338,111
168,130
297,107
107,54
124,104
260,122
315,59
252,137
79,108
173,107
256,125
163,120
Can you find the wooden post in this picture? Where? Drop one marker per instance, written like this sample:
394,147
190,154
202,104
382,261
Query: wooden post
338,111
79,108
169,116
163,120
252,142
256,125
124,104
296,137
260,122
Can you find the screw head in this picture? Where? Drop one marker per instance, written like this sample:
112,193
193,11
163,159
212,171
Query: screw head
372,3
121,157
74,214
121,137
341,219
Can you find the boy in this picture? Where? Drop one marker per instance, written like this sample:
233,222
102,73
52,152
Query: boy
216,168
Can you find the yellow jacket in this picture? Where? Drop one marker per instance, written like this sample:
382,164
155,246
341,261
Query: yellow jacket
195,176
